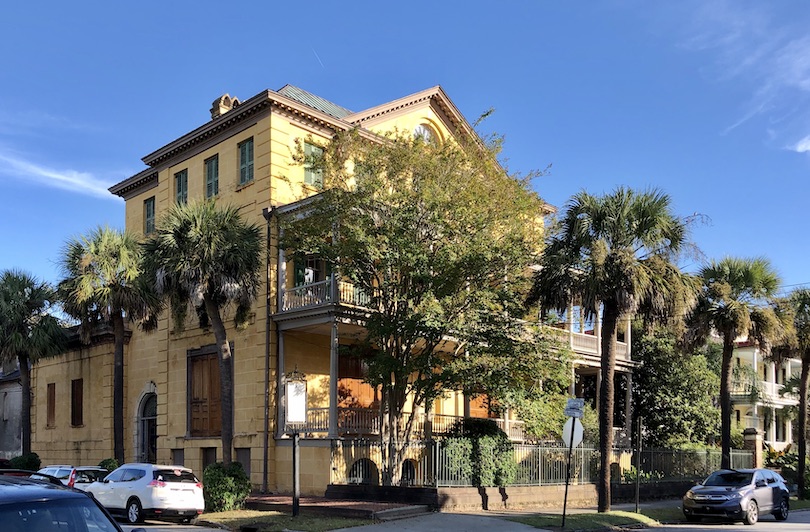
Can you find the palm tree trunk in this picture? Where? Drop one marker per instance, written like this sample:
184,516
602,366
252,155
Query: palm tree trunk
25,382
610,318
118,387
225,378
725,401
803,426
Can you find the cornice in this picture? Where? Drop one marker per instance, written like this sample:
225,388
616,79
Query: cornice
143,180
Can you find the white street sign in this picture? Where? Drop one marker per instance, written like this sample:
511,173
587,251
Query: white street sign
572,412
575,425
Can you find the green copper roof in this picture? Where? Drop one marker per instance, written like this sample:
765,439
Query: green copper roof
316,102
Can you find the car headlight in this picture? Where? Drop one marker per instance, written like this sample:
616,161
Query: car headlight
690,495
735,495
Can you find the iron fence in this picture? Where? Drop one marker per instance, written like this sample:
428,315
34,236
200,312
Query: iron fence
433,463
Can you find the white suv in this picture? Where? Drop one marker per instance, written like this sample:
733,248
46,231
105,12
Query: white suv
149,490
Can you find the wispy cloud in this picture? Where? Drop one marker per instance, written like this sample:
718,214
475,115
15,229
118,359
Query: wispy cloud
803,146
754,45
34,122
16,168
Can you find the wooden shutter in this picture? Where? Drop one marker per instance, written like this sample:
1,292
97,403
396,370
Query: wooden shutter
51,421
76,402
206,419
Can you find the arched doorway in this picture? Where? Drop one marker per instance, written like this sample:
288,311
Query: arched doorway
148,429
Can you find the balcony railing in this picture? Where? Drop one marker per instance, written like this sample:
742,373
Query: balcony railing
769,391
363,422
320,293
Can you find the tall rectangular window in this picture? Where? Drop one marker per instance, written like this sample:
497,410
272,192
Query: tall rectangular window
51,408
246,161
76,402
312,175
212,176
149,216
181,187
204,408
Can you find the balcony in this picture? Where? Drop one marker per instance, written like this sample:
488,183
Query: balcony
315,295
365,422
769,392
323,293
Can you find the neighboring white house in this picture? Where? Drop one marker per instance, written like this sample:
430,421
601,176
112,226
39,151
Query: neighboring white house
756,395
10,410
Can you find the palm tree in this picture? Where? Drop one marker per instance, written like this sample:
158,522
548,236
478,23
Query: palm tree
735,300
27,332
796,344
614,253
103,285
207,256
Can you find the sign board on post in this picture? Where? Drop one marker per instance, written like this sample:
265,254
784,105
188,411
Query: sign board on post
574,407
575,425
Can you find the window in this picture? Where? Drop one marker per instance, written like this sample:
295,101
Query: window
246,161
149,216
209,456
178,456
424,132
203,402
181,186
51,419
312,175
76,400
212,176
243,457
310,269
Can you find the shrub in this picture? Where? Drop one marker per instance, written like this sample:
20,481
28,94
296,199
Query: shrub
109,464
30,462
225,487
490,455
457,467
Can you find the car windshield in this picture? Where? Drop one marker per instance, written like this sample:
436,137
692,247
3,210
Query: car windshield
174,475
75,514
729,478
90,475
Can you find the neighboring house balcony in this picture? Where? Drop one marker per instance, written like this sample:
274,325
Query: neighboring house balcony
761,392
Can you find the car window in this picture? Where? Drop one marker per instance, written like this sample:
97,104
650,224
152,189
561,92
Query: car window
63,472
728,478
89,475
55,514
131,475
115,476
174,475
770,477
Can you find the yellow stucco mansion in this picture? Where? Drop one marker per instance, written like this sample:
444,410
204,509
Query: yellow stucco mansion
244,156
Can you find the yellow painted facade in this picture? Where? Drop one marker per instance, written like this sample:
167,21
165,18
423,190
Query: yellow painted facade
158,362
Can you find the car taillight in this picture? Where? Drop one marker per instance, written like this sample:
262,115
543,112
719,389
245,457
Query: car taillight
198,485
157,484
72,478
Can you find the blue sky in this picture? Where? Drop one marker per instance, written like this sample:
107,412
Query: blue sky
707,100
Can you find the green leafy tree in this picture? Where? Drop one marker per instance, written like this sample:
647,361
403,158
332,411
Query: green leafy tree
673,391
796,344
440,239
735,300
615,255
205,256
28,333
103,285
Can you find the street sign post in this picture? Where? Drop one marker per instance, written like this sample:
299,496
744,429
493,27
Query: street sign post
572,432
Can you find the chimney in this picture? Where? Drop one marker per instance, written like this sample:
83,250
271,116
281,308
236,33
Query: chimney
222,105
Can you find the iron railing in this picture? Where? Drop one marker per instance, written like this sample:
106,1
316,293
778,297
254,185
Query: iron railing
431,464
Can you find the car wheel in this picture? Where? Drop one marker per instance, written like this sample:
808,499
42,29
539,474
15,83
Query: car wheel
751,513
782,511
134,511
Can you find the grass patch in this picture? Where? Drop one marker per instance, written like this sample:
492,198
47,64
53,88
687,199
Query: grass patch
278,521
586,521
798,504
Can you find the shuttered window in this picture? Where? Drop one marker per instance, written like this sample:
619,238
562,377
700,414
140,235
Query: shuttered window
204,406
149,216
51,409
212,176
246,161
76,402
312,175
181,187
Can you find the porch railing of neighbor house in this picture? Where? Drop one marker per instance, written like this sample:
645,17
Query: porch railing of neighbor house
429,463
366,422
769,390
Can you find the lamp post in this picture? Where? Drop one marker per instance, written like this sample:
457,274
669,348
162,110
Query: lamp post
295,418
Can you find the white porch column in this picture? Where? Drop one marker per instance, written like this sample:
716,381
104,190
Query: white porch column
572,389
280,387
788,430
772,373
627,338
628,401
772,428
333,380
282,278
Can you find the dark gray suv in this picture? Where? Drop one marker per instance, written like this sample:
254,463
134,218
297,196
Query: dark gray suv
738,495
